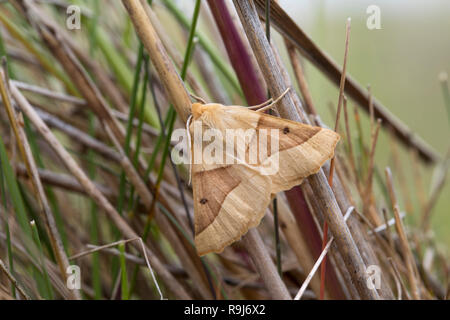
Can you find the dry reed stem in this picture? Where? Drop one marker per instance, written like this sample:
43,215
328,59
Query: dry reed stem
94,193
368,196
406,249
288,109
300,76
360,237
331,172
47,93
171,48
399,280
169,77
371,111
388,230
64,181
13,280
435,191
350,149
79,136
418,181
265,266
123,242
398,169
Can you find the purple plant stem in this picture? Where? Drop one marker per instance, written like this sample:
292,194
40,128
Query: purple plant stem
255,94
239,57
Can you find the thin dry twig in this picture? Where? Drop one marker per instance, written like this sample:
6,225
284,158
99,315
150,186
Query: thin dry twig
14,280
406,249
144,251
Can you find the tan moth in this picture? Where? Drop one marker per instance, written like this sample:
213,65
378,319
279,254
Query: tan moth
229,199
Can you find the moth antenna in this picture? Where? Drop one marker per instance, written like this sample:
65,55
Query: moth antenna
260,105
197,98
188,132
270,106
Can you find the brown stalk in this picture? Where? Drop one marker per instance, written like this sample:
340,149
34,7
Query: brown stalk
304,89
406,249
418,181
80,136
331,174
13,280
265,266
359,236
398,168
436,191
172,50
48,93
399,280
350,149
64,181
169,77
388,230
290,110
371,111
368,196
94,193
300,76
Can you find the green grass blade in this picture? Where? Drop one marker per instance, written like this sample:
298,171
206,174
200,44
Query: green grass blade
124,277
14,192
48,292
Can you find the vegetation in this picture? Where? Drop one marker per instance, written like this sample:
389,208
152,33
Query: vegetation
86,176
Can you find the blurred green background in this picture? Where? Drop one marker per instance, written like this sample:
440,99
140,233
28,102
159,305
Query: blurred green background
401,62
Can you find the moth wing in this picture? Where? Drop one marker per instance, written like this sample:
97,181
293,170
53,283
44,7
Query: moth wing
228,200
302,150
294,153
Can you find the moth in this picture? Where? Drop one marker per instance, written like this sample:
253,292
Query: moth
231,198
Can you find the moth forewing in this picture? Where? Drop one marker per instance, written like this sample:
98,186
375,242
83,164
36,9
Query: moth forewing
228,200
